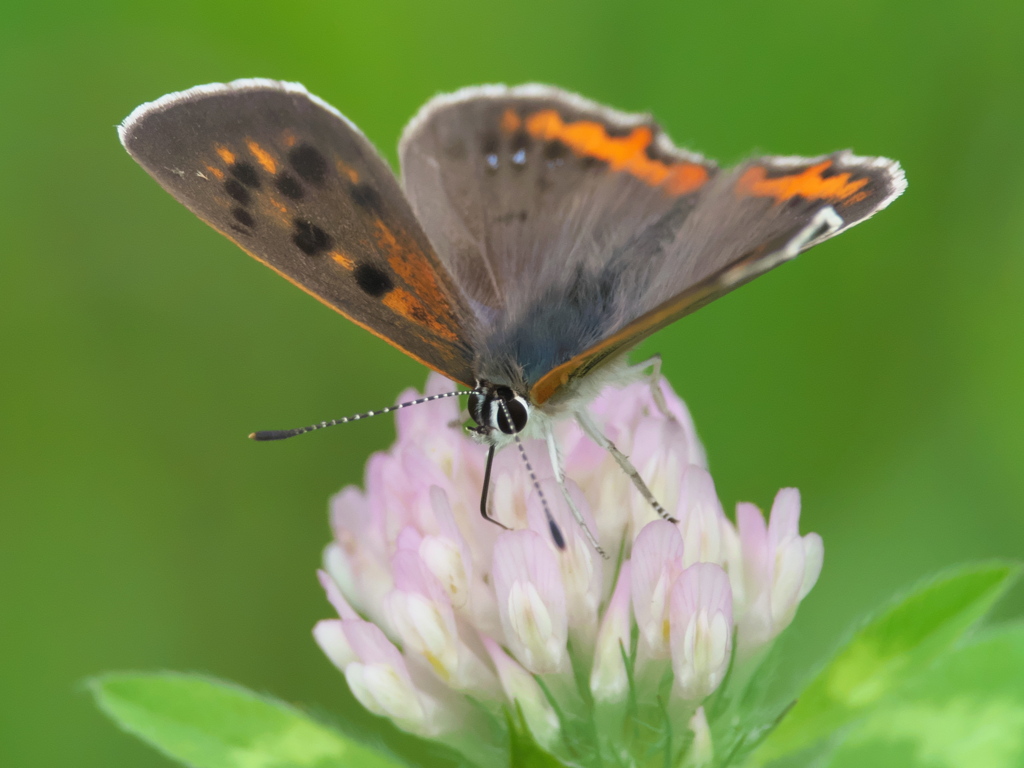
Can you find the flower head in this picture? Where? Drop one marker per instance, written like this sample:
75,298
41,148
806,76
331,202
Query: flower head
445,618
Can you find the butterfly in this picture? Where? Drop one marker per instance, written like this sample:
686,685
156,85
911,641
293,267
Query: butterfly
535,236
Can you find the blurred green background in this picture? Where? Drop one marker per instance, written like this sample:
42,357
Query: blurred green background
883,373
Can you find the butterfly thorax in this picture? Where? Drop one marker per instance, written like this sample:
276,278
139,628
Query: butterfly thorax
529,339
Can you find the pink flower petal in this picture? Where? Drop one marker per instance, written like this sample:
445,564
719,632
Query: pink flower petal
779,568
701,629
330,636
446,554
702,519
657,561
581,567
787,579
661,456
371,645
531,600
814,557
335,597
784,522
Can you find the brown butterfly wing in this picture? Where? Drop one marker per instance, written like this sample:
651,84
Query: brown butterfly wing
522,188
298,187
750,220
577,230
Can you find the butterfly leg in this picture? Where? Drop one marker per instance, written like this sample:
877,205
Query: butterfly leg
654,379
556,465
640,371
595,434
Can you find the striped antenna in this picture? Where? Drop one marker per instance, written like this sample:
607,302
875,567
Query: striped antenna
281,434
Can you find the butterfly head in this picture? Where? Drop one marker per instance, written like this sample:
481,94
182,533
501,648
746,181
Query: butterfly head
498,411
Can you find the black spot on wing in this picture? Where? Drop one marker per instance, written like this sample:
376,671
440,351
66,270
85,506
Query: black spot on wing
365,196
373,281
309,163
246,173
490,144
237,191
289,186
622,131
309,238
243,217
521,140
555,151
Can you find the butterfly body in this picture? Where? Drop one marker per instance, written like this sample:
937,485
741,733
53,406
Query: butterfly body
534,238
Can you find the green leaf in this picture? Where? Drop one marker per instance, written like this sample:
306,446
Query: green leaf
211,724
887,652
967,711
524,751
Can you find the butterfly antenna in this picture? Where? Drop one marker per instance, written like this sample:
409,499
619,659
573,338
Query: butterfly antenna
556,532
281,434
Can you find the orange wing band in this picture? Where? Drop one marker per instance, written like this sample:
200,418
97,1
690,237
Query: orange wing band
627,153
811,184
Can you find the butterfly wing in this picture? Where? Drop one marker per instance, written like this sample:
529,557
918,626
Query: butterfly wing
519,188
577,230
298,187
748,221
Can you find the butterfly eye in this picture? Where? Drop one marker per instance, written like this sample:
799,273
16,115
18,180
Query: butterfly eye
515,409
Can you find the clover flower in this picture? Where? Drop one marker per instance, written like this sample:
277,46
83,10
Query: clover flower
458,630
